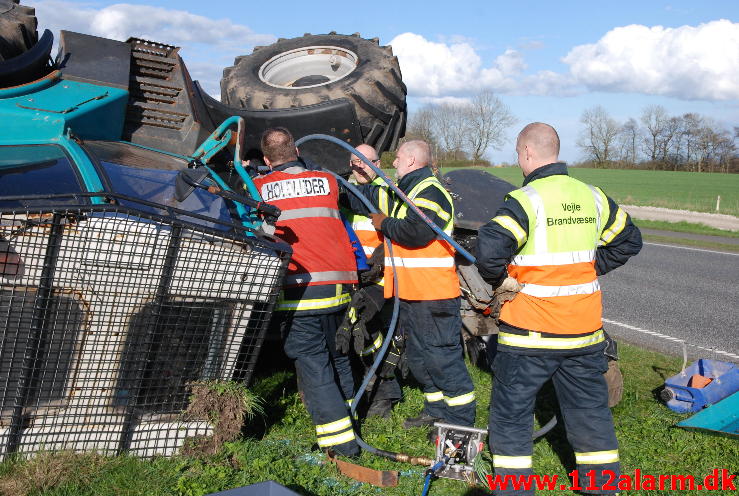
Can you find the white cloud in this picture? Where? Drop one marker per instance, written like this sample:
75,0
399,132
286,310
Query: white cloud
448,100
439,69
439,72
215,42
120,21
687,62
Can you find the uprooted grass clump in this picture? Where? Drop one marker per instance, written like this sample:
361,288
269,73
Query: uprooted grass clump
225,404
47,470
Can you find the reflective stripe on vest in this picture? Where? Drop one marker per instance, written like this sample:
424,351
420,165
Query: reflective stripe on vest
427,272
301,213
327,276
556,265
420,262
368,236
536,340
341,298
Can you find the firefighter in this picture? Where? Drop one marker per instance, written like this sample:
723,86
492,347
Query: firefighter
428,288
315,293
554,235
363,324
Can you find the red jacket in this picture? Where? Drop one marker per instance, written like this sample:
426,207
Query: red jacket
311,224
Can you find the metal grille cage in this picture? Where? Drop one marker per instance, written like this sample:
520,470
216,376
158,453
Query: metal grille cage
109,314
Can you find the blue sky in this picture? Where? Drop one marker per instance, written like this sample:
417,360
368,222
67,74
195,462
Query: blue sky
548,61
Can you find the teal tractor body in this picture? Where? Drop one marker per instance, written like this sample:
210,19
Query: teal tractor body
63,136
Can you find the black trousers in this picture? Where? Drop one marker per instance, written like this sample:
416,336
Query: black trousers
324,376
583,399
435,358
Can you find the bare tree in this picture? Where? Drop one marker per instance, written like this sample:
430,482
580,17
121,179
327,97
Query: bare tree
653,117
487,120
628,139
691,129
421,125
598,140
450,126
670,140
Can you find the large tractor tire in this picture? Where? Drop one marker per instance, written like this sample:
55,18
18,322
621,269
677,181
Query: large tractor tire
17,29
23,55
314,69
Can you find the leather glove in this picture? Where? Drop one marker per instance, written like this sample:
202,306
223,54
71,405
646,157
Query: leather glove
505,292
509,285
377,220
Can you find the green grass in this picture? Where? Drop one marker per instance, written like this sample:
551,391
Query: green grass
278,447
685,227
698,243
679,190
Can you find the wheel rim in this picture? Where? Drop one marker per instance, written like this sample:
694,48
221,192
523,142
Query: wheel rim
308,67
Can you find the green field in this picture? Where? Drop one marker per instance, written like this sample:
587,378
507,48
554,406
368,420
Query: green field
679,190
278,446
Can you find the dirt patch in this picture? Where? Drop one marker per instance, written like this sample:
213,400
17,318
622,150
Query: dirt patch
225,405
48,470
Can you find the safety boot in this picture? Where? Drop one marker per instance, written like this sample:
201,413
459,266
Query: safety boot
422,420
380,408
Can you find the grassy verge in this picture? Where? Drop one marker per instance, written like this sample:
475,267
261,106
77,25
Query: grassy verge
697,243
278,446
685,227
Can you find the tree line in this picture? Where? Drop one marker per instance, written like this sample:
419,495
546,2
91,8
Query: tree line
462,131
659,141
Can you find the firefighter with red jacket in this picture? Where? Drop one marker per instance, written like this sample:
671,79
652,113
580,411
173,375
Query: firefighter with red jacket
316,287
428,288
555,236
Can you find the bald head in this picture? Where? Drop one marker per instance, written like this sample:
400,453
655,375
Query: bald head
537,145
412,155
360,170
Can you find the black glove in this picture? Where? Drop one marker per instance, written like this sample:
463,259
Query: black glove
394,359
343,336
377,265
365,304
611,349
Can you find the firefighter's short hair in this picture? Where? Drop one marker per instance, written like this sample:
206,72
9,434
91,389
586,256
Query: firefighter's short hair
278,145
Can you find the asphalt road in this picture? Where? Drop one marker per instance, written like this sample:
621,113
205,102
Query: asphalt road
669,293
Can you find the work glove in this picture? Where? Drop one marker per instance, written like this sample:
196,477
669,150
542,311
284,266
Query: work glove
394,359
611,349
376,263
505,292
365,304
